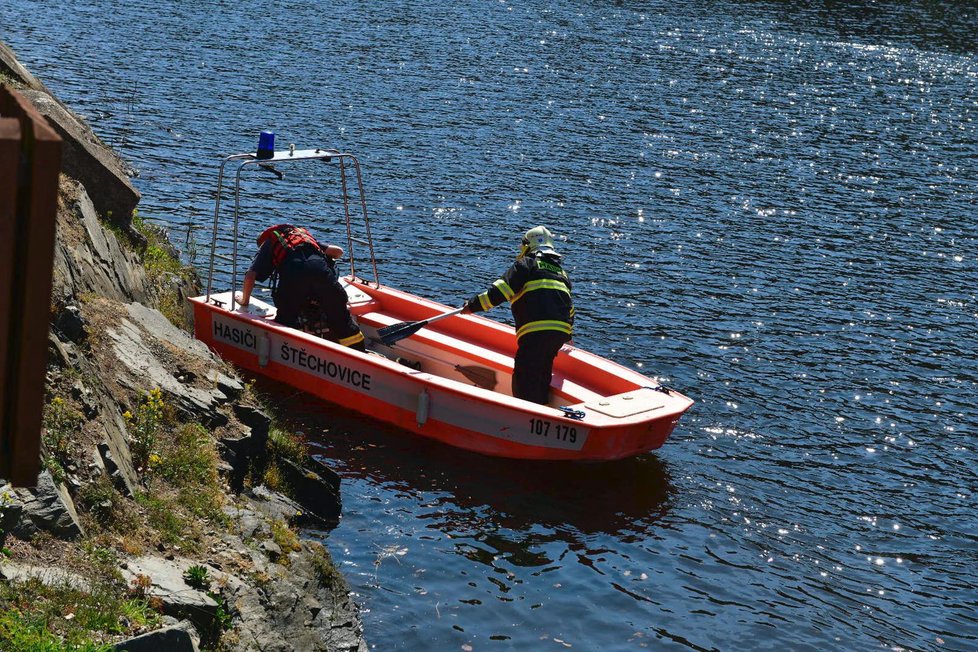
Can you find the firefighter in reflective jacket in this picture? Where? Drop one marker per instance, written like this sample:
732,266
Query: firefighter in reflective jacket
303,271
539,293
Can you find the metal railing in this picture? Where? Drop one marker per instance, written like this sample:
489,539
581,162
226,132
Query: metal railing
292,155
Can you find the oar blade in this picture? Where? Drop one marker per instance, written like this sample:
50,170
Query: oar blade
390,334
393,328
396,332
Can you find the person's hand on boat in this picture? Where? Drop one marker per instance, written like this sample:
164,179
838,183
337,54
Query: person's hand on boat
466,310
333,251
242,298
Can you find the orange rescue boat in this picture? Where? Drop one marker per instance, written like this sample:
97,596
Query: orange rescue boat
451,379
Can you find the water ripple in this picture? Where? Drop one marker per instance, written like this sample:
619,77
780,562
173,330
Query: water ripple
763,203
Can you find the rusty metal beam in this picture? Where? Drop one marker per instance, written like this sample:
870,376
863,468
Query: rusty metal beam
9,162
27,319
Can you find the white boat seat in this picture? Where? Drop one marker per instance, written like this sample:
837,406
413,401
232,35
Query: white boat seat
576,392
570,392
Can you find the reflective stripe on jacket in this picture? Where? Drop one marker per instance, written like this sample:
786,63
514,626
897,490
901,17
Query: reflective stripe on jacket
539,293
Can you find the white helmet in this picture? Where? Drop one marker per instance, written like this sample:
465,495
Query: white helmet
538,239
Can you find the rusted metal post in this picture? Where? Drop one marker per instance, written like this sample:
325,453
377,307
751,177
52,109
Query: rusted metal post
9,161
29,169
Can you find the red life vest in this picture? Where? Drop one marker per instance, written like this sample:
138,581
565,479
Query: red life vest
287,238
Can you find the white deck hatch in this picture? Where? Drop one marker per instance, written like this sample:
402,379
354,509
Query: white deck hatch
629,403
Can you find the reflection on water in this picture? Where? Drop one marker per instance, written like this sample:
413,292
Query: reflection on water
593,497
430,531
948,24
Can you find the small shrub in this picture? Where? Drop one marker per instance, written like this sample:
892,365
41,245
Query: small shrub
192,459
61,422
326,571
222,618
211,636
168,522
273,479
158,261
283,445
139,586
197,577
287,445
144,428
286,539
105,561
172,305
99,611
140,613
165,271
99,498
189,462
261,578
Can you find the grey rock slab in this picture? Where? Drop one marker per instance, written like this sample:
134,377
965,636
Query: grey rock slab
168,639
13,67
168,584
157,325
132,351
87,159
96,263
47,507
57,576
273,505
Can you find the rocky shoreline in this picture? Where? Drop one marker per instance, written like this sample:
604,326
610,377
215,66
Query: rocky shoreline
165,482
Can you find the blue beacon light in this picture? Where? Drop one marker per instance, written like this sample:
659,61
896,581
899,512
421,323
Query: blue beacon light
266,145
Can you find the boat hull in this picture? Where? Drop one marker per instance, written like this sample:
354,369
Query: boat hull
435,396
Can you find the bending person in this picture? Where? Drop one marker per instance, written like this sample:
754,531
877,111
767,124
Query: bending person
301,270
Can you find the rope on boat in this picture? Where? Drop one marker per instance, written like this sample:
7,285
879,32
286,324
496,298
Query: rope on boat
660,388
571,413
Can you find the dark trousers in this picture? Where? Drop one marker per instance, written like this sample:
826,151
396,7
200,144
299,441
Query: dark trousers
534,364
301,278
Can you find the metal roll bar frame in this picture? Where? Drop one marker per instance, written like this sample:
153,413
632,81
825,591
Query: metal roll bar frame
290,156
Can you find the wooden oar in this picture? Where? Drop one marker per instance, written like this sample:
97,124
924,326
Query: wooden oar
396,332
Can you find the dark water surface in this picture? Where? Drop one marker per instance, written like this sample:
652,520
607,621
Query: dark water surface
769,205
